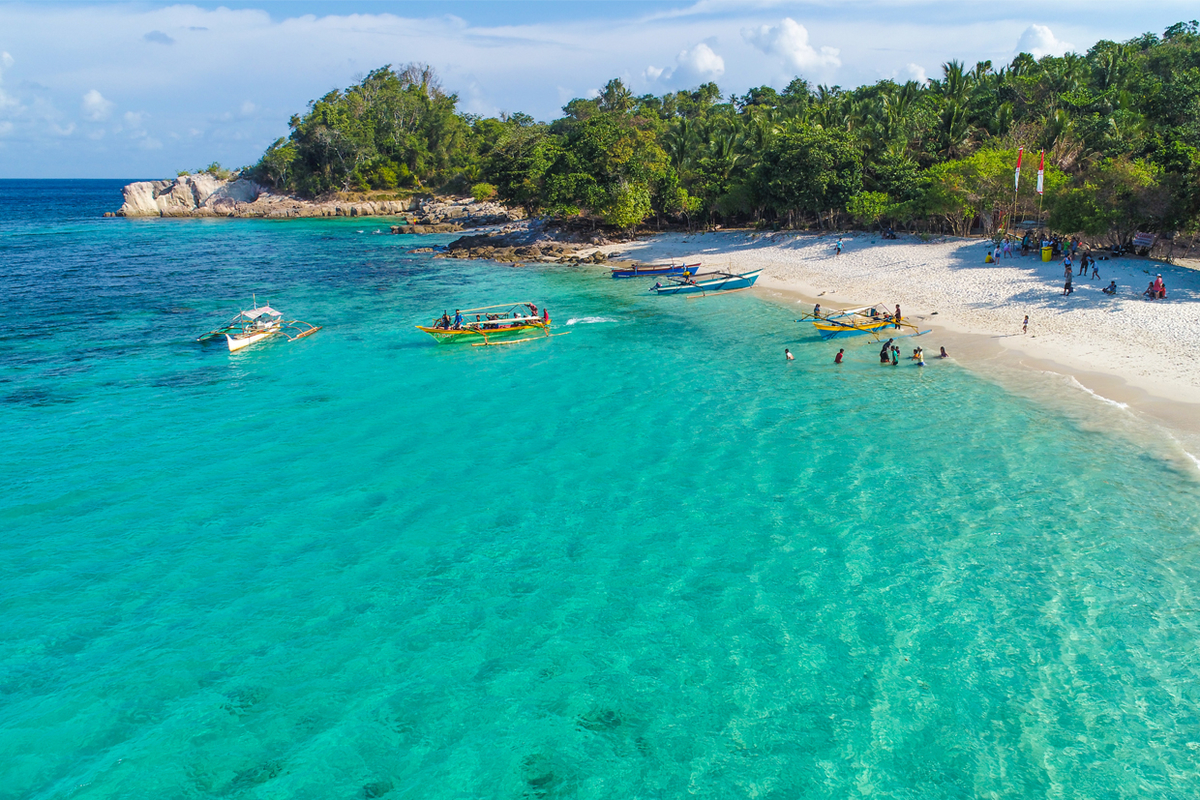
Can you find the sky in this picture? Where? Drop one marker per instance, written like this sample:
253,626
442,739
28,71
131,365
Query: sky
143,90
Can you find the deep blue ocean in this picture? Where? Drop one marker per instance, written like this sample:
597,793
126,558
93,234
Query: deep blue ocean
648,559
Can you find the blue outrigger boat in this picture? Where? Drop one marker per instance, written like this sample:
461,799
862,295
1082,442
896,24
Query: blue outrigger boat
708,283
638,270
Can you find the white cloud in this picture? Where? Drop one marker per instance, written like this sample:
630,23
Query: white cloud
788,41
134,119
62,130
5,128
248,108
915,72
700,63
95,107
149,143
158,37
6,61
1038,41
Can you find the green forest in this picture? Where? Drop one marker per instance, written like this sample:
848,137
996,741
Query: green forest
1119,126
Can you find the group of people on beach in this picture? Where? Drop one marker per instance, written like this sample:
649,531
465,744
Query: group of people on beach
890,354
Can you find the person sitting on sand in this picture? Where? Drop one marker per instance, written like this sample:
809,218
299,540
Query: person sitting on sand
943,354
838,358
1150,293
1111,288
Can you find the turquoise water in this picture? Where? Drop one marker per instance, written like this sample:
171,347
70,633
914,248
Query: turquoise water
645,559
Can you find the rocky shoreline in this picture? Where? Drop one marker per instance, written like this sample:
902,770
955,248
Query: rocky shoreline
205,195
514,239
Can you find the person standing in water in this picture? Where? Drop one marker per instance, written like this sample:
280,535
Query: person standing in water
885,353
788,354
838,358
817,311
943,354
895,355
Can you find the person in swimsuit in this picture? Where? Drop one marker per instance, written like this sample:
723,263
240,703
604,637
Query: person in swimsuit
897,316
885,353
1111,288
817,311
943,354
1025,325
838,358
788,354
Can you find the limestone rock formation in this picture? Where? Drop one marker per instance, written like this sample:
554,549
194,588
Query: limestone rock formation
203,195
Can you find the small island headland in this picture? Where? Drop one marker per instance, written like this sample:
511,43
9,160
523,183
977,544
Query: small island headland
205,195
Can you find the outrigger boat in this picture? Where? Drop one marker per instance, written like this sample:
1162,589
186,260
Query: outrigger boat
257,324
850,321
638,270
708,283
490,324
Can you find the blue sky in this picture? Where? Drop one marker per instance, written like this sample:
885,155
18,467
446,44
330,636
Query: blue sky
145,89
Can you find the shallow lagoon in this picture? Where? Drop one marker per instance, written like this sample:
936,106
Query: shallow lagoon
647,558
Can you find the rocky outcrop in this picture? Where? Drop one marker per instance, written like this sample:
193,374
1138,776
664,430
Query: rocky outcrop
532,240
203,195
463,212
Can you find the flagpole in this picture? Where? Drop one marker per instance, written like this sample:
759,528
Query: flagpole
1040,187
1016,184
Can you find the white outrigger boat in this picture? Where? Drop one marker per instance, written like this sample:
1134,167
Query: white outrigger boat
257,324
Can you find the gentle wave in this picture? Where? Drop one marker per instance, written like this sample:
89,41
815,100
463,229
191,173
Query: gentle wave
1074,382
588,320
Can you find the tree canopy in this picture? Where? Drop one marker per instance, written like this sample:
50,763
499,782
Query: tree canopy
1119,126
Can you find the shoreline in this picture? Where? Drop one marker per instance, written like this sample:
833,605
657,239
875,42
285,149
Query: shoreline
1129,352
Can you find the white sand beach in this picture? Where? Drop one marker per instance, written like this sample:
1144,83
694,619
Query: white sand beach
1123,347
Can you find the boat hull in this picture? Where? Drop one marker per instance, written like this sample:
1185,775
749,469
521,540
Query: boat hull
638,272
474,335
829,328
237,343
724,284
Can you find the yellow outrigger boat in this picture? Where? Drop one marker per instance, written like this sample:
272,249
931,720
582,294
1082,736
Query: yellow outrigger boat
867,319
490,325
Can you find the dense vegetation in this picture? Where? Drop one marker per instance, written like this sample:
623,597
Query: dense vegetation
1120,126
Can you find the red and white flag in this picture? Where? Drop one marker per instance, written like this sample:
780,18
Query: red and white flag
1017,174
1041,170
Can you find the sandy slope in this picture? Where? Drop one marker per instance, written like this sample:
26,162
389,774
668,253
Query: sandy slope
1152,346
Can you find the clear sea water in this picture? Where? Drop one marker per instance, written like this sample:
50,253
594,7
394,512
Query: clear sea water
645,559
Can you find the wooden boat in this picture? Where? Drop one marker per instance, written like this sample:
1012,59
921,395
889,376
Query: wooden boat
708,283
490,324
851,321
638,270
258,324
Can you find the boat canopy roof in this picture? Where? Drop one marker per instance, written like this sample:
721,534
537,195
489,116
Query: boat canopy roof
508,306
261,311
